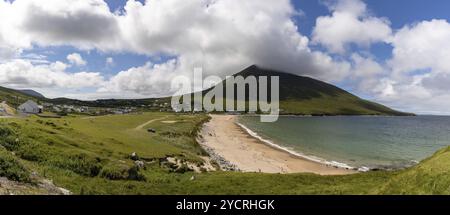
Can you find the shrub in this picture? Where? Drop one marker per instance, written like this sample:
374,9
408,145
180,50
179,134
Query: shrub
5,131
134,174
12,169
81,164
119,171
115,172
32,152
11,143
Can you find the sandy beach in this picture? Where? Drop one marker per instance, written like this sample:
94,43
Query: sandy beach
248,154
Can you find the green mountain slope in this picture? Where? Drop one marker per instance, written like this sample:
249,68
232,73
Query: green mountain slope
32,93
307,96
15,97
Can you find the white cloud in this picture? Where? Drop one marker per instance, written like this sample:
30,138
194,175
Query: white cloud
149,80
85,24
76,59
223,36
23,74
420,68
349,23
415,78
366,73
421,46
109,61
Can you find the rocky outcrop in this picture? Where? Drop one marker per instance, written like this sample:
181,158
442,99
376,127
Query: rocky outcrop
44,187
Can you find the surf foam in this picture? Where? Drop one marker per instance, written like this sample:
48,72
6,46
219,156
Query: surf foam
301,155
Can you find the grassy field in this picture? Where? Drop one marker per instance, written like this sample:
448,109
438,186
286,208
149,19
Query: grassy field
91,155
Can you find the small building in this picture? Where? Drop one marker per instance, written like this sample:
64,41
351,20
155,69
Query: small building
30,107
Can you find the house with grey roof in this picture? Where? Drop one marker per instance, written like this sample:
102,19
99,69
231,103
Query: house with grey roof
30,107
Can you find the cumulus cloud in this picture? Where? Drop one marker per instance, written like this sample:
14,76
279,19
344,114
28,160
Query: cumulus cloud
142,81
415,78
222,36
82,23
23,74
349,23
419,68
421,46
76,59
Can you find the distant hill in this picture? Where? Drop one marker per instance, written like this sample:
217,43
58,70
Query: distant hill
32,93
298,95
15,97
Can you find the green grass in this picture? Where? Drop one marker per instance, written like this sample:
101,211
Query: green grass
12,169
91,156
342,104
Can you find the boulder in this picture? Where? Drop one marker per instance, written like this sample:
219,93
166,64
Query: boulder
140,164
134,156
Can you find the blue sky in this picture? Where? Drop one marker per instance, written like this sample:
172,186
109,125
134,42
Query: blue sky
388,51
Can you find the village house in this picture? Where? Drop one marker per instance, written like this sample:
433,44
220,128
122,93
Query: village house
30,107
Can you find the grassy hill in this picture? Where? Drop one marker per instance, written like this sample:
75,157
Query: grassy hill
91,155
15,97
18,97
307,96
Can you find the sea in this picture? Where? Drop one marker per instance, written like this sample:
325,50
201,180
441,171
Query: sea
355,142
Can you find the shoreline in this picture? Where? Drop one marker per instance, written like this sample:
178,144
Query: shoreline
294,153
235,148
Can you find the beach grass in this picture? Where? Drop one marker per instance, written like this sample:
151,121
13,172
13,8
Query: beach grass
91,155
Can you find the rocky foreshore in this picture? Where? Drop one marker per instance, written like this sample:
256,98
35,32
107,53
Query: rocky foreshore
222,162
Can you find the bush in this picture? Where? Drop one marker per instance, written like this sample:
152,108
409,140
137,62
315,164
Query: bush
121,172
12,169
81,164
32,152
11,143
115,172
5,131
134,174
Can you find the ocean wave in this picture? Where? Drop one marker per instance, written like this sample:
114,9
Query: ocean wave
294,153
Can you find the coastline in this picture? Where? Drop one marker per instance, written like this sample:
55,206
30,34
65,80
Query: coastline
232,146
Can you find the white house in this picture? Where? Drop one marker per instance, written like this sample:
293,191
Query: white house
30,107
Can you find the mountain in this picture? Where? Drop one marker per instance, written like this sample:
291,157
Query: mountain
32,93
307,96
298,95
15,97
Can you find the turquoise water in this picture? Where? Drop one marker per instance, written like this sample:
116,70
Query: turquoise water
357,141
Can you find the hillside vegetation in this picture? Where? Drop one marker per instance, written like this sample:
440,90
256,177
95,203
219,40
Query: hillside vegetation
14,97
93,155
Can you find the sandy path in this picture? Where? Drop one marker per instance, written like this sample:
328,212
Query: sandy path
250,155
139,127
95,117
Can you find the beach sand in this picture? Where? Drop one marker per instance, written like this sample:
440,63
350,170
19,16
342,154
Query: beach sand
235,145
